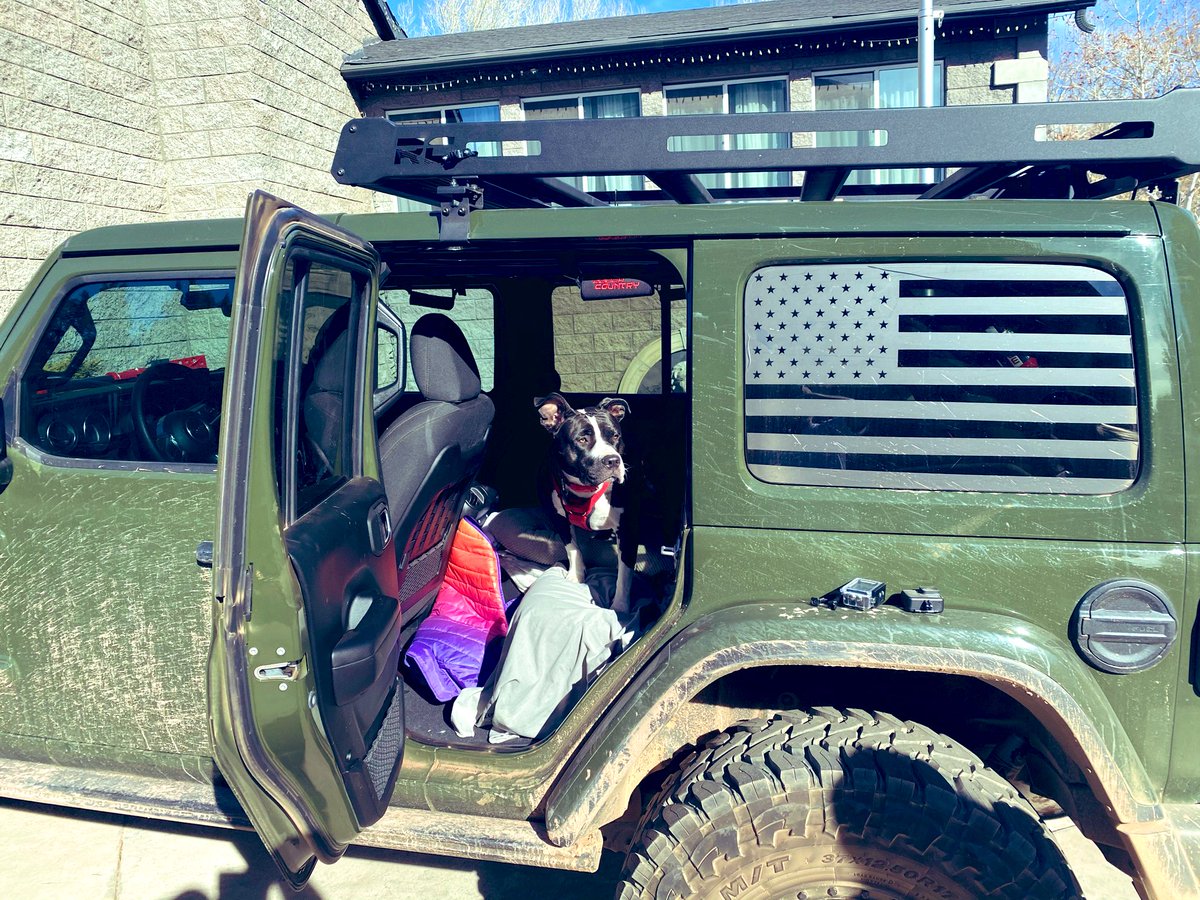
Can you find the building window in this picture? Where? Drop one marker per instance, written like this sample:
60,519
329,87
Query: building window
978,376
890,87
762,96
609,105
479,112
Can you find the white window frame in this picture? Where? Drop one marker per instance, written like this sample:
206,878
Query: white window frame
928,175
587,182
578,98
440,110
727,139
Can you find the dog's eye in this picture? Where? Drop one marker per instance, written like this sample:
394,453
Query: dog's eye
582,442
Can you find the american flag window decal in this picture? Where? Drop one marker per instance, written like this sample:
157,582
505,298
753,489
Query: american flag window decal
940,376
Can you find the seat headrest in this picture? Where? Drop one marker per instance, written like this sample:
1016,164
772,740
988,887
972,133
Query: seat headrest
324,412
330,372
442,362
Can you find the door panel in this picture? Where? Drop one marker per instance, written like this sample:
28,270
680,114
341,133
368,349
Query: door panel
305,706
354,624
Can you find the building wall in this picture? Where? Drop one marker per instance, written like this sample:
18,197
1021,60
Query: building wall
115,111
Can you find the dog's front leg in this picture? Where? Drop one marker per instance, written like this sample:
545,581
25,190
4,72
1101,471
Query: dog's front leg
574,562
620,601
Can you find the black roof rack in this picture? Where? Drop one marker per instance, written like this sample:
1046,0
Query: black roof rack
998,151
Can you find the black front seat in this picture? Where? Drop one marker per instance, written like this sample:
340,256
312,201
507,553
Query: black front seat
430,455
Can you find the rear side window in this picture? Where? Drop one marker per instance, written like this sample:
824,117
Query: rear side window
940,376
615,346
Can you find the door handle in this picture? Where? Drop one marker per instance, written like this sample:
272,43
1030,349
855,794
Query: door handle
363,656
379,527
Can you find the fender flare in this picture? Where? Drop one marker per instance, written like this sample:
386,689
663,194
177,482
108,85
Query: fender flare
1025,661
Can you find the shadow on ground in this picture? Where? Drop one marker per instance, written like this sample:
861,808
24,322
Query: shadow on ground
189,862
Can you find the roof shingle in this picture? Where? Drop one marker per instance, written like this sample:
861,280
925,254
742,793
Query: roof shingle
777,18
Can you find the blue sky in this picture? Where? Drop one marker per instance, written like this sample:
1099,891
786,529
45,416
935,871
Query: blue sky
664,5
635,6
419,7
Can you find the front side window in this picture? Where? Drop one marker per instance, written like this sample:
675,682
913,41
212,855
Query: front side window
739,97
315,406
614,105
940,376
893,87
131,369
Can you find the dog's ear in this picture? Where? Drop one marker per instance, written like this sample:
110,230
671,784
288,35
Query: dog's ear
615,407
553,410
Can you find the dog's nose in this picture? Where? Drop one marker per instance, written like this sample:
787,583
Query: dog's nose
611,462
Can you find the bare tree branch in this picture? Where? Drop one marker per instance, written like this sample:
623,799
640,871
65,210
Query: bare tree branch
456,16
1140,49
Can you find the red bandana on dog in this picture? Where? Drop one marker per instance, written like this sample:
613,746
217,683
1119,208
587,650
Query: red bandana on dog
579,500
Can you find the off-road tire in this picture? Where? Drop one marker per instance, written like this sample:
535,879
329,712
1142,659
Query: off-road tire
840,803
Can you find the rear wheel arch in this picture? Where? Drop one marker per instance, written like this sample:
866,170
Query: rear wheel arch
764,691
657,717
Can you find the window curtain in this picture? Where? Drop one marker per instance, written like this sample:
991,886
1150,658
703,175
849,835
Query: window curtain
758,97
850,91
613,106
698,101
898,89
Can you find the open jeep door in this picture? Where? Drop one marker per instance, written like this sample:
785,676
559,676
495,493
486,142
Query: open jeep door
305,703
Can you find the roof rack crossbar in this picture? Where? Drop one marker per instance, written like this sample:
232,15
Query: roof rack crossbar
682,187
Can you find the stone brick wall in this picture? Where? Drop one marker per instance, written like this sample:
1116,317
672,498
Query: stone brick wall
115,111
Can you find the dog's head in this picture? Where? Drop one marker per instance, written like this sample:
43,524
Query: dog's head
587,442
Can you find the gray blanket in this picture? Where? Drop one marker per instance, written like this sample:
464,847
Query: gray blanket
557,642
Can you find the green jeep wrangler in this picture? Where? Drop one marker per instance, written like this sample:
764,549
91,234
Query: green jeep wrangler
918,490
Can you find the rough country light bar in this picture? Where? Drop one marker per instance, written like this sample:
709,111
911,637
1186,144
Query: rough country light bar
999,150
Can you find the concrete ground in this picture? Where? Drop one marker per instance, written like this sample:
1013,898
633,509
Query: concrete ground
51,853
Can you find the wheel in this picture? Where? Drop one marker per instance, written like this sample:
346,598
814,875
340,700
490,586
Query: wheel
840,803
167,394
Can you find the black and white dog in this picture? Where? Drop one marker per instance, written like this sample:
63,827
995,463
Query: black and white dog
586,484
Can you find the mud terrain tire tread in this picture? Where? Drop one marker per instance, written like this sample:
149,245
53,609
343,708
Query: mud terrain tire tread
833,778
